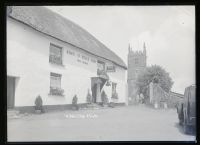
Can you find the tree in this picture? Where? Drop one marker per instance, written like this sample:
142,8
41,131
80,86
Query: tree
155,74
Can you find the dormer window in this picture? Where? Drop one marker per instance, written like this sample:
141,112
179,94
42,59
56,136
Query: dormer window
55,54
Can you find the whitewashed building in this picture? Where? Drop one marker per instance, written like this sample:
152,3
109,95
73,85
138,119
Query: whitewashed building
50,56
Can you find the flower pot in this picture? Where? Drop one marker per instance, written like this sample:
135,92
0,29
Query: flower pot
38,111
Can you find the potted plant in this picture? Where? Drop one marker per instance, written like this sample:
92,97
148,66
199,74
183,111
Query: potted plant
104,98
89,99
74,103
39,105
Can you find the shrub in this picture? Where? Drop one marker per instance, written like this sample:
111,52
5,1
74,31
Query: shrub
89,98
74,102
104,98
39,103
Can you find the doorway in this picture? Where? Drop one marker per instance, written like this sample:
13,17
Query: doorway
10,92
94,93
97,84
94,89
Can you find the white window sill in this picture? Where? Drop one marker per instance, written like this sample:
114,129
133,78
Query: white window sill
56,64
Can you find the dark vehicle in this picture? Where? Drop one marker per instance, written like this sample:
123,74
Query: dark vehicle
187,109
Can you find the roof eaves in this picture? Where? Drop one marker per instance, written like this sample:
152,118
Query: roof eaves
125,67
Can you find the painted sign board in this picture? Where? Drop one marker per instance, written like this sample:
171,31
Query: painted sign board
110,68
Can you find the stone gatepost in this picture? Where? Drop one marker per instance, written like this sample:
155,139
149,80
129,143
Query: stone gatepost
151,92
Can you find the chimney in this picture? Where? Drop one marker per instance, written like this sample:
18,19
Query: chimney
9,10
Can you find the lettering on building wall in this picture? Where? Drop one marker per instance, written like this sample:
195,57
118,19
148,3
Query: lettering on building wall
70,52
85,58
81,58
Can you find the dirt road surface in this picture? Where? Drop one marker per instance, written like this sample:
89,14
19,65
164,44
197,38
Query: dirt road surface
130,123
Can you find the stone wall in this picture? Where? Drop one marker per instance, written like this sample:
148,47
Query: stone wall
158,97
174,99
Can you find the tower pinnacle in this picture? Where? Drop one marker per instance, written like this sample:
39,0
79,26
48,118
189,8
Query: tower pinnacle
129,48
144,48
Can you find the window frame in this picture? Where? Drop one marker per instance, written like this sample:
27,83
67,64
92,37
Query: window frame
58,76
56,90
53,54
101,62
114,87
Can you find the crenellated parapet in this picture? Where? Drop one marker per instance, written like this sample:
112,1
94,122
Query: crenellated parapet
137,52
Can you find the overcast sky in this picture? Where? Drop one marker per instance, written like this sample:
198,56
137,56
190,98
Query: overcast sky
168,31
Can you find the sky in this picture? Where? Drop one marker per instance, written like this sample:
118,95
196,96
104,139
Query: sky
168,32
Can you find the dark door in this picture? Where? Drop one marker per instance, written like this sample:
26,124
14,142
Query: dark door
10,92
94,93
94,89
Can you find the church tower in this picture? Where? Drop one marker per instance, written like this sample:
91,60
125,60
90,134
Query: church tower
136,63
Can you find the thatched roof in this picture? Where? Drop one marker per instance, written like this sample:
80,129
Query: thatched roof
53,24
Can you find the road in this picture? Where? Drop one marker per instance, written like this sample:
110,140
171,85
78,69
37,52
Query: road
130,123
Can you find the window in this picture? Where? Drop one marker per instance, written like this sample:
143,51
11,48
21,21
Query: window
114,91
55,80
55,84
110,68
136,61
100,65
55,55
114,85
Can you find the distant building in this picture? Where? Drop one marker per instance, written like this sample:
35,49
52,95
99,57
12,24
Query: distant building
136,63
50,56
